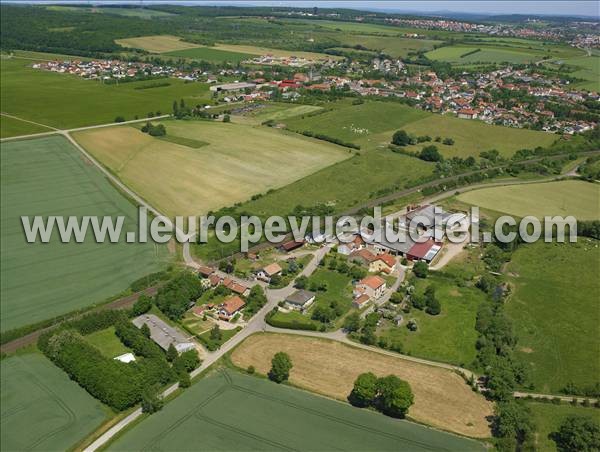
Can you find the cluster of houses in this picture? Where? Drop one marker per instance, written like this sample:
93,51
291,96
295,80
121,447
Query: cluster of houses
469,97
290,61
504,29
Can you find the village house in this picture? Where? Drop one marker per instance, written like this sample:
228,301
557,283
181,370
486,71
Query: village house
372,286
205,272
266,273
236,287
376,263
361,301
292,245
348,248
230,307
300,300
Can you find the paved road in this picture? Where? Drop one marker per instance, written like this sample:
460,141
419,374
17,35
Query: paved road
256,324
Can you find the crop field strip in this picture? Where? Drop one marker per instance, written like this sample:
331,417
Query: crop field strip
320,416
47,176
64,412
329,368
212,176
32,94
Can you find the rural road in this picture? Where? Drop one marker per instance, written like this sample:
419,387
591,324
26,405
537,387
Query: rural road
255,325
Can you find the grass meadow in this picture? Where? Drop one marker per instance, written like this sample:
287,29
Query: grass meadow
107,342
42,409
372,125
11,127
231,411
473,136
360,124
330,368
548,418
555,312
67,101
48,176
448,337
237,162
210,54
156,44
454,54
396,47
569,197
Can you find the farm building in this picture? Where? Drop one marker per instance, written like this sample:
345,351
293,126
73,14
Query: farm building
232,87
300,300
231,307
164,334
424,251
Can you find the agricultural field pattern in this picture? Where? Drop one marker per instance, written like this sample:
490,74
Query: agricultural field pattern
312,226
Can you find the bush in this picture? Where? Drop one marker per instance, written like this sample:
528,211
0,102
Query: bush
281,364
401,138
430,154
142,305
421,269
119,119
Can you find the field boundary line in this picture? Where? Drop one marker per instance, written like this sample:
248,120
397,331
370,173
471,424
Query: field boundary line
27,120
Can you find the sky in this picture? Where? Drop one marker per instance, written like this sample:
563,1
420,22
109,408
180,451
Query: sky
548,7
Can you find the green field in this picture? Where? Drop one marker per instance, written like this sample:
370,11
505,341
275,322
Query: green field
67,101
342,186
281,111
41,408
237,162
11,127
548,417
555,311
360,124
230,411
372,125
107,342
396,47
473,136
142,13
589,71
570,197
448,337
210,54
48,176
454,54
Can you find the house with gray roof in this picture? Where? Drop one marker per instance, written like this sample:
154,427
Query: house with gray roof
300,300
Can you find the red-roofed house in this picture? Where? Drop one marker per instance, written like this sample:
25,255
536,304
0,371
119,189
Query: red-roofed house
361,301
467,113
372,286
236,287
230,307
